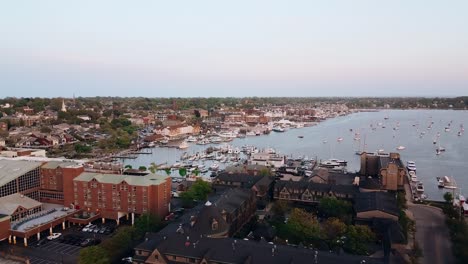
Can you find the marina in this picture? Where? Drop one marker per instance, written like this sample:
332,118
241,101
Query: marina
320,142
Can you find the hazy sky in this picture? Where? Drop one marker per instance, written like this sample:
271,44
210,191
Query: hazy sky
234,48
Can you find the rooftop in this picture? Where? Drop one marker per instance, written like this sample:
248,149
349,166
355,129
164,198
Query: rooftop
228,250
381,201
12,169
61,164
147,180
9,203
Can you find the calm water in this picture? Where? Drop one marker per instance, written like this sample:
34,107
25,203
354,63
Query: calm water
410,123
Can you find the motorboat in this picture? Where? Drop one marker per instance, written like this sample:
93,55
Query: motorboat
214,167
216,140
183,145
401,148
339,139
250,133
191,139
278,129
411,163
420,187
341,162
203,142
447,129
446,182
300,136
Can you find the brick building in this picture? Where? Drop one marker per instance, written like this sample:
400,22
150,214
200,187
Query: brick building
116,195
57,182
388,169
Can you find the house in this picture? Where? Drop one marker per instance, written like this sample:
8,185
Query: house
310,192
262,186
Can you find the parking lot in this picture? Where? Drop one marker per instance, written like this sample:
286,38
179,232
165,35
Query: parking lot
61,248
65,248
37,260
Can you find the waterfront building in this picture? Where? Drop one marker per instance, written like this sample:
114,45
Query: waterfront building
387,168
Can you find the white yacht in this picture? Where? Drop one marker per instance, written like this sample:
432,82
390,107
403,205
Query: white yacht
183,145
420,187
401,148
191,139
278,129
214,167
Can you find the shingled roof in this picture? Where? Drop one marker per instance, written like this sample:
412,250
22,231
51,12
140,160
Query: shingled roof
228,250
380,201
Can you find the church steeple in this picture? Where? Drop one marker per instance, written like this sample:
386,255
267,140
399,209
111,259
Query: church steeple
64,108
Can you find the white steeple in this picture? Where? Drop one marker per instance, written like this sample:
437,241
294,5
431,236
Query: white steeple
64,108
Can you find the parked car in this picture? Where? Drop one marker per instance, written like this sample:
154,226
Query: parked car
86,228
127,260
54,236
90,242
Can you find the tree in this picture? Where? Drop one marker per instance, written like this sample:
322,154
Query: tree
448,197
147,223
333,228
79,148
153,167
121,244
265,172
356,239
280,208
197,192
332,207
93,255
128,166
196,172
303,226
45,129
182,172
168,171
142,168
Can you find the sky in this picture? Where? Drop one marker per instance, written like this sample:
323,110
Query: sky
233,48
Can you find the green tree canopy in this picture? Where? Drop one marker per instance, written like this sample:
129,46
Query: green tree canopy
147,223
197,192
357,238
332,207
333,229
93,255
303,226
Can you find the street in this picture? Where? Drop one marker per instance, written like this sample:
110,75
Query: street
432,234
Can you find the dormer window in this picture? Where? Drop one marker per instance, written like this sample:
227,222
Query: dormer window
214,225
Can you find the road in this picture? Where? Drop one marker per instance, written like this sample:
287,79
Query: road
432,234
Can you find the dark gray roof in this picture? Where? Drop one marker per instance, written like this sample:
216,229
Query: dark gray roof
228,250
247,180
233,199
370,183
205,218
381,201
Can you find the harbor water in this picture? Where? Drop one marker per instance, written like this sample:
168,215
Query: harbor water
415,130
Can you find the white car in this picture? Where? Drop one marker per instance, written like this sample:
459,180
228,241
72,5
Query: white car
54,236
